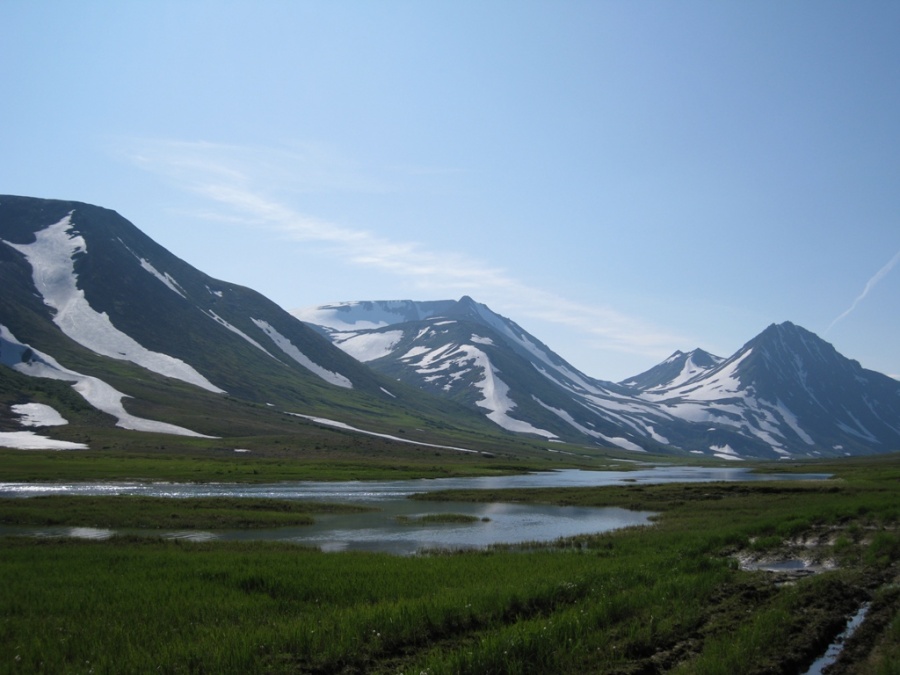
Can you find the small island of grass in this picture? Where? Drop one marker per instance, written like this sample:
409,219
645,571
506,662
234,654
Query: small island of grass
129,511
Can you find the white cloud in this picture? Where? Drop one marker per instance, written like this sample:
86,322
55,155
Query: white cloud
230,178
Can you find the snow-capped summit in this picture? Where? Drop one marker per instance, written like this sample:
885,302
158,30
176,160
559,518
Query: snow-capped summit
793,392
676,370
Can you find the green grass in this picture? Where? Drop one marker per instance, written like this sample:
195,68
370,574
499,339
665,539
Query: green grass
663,598
200,464
157,512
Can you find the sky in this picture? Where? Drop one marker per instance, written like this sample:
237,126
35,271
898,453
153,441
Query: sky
622,179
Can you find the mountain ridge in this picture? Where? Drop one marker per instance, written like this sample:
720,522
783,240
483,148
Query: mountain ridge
162,325
744,406
153,344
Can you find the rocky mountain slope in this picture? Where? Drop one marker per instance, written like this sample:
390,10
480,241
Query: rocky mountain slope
786,393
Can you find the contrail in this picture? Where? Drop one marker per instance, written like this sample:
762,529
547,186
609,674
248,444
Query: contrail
870,284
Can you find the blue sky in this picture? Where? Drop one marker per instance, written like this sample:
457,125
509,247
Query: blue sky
623,179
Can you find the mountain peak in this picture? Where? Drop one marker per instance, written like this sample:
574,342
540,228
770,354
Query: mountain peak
679,368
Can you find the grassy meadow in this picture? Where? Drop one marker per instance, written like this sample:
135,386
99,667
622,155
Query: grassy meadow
665,598
133,512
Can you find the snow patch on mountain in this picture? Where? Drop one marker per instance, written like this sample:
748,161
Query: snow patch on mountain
166,278
288,348
346,427
368,346
722,383
52,259
28,440
38,415
354,316
237,331
791,420
623,443
452,362
725,452
99,394
689,371
414,352
496,398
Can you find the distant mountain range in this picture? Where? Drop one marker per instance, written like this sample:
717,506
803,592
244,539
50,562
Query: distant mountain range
107,325
786,393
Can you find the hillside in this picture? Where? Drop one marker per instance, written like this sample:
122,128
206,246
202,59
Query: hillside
148,343
786,393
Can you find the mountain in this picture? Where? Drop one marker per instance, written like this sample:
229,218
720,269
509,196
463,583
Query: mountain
464,351
677,369
101,325
791,391
151,344
786,393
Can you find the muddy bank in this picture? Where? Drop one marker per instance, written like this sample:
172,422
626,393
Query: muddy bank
822,615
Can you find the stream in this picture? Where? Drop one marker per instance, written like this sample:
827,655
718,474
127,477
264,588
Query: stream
834,649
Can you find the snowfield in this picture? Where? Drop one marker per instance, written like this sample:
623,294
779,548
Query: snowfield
452,362
38,415
368,346
496,399
95,391
28,440
52,259
346,427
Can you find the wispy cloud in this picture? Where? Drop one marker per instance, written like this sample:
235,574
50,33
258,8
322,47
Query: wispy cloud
870,284
231,179
307,168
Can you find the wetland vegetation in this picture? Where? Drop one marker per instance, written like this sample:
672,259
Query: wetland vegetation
671,597
128,511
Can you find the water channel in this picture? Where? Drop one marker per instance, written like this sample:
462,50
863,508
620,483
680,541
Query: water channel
380,530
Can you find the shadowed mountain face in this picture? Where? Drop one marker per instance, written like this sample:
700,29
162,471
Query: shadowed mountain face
90,300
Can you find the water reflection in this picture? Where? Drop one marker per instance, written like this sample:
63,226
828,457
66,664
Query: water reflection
368,491
380,530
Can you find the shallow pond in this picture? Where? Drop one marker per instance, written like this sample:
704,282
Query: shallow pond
380,530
